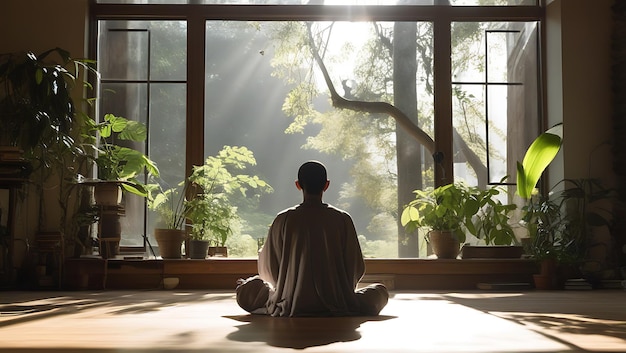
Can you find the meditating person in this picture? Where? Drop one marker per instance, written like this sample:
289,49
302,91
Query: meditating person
311,261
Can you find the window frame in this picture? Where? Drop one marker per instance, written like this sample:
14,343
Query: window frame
442,16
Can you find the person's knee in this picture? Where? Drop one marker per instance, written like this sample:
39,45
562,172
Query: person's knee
252,294
373,298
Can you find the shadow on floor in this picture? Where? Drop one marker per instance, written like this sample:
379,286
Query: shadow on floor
300,332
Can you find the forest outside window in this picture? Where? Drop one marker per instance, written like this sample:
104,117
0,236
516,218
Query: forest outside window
266,87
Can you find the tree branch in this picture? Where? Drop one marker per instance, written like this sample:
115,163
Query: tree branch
371,107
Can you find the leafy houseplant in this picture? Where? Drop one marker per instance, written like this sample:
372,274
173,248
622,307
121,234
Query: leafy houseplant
206,198
461,210
443,210
564,228
491,221
118,163
36,106
541,214
172,210
219,182
491,225
41,126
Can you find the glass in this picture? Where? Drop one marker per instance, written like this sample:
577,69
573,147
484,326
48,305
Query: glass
143,66
265,92
495,94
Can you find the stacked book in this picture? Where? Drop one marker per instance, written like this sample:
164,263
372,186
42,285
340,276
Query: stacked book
577,284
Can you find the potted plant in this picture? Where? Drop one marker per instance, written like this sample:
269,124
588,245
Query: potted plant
41,126
219,182
491,225
172,210
119,166
561,225
211,216
562,233
443,210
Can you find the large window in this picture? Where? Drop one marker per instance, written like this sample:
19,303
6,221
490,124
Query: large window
204,79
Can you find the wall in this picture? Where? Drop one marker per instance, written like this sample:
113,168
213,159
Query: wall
579,86
38,25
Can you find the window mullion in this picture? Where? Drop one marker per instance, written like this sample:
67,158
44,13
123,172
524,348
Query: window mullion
443,102
195,92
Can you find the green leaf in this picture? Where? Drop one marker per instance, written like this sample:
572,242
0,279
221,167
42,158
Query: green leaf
537,158
133,131
409,214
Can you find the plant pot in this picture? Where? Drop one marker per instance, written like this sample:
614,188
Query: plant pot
220,251
198,249
445,244
107,193
170,241
544,282
491,251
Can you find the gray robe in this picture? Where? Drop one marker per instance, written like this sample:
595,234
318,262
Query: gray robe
313,260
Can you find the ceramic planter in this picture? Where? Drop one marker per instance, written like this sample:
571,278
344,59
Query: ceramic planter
445,245
107,193
198,249
170,242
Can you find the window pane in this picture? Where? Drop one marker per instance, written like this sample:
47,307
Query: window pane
495,111
128,100
167,135
116,38
143,66
265,92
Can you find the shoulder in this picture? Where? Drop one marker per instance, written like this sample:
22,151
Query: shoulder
339,211
285,212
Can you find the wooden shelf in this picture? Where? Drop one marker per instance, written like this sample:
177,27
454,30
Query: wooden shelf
222,273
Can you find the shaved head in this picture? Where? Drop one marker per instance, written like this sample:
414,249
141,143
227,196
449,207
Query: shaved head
312,177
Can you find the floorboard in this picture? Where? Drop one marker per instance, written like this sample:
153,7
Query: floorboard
211,321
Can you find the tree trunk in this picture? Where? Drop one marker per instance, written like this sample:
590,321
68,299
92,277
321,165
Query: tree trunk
409,152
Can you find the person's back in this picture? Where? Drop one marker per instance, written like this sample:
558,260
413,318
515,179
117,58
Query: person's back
319,262
311,261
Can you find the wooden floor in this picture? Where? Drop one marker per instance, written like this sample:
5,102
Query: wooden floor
211,321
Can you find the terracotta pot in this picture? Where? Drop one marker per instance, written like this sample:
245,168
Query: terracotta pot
544,282
170,241
445,244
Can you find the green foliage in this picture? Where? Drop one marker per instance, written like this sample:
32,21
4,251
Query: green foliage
562,225
217,181
242,245
491,221
121,163
460,208
36,105
445,208
169,203
537,158
386,249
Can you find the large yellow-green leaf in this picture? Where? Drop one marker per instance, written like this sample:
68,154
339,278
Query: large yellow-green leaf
537,158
